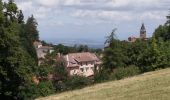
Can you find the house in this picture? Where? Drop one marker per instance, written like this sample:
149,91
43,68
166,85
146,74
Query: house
41,50
81,63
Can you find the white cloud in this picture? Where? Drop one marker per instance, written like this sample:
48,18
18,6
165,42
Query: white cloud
77,12
152,16
26,6
48,2
103,15
70,2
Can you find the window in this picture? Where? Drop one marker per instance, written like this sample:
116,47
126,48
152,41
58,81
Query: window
92,68
87,68
82,70
74,72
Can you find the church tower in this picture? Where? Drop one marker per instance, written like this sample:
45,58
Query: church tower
143,32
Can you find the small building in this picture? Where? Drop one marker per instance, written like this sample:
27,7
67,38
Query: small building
81,63
142,35
132,39
41,50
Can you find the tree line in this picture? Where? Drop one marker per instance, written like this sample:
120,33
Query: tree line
123,59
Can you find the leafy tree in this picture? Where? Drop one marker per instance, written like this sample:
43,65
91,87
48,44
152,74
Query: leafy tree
168,25
134,50
153,57
27,44
15,63
160,32
163,31
20,17
60,76
113,56
31,29
110,38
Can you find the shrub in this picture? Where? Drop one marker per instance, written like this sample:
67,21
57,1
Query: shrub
101,76
45,88
32,91
120,73
77,82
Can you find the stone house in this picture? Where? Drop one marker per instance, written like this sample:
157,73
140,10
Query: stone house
41,50
81,63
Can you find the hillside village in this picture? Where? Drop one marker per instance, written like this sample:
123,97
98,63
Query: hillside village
80,63
76,63
32,68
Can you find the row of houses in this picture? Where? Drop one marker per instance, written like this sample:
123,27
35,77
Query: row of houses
76,63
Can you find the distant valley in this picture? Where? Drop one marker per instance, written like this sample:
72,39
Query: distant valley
72,42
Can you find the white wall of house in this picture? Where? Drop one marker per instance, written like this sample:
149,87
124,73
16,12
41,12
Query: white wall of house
39,46
86,67
74,72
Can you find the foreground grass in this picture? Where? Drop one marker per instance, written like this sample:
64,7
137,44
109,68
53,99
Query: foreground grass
148,86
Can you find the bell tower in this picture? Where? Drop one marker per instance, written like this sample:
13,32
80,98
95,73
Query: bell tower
142,32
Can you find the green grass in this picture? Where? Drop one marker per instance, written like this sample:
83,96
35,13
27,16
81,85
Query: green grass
148,86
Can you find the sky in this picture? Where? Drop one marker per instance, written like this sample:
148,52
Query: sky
94,19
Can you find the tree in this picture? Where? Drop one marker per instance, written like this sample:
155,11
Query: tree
154,57
31,29
134,50
15,63
113,55
60,75
160,32
111,37
20,17
168,25
163,31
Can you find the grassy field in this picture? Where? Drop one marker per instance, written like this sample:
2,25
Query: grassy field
148,86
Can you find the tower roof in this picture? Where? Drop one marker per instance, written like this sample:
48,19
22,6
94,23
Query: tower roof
143,28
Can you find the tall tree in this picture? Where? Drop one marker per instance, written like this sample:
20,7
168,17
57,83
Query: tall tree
110,38
15,66
168,25
163,31
113,56
31,29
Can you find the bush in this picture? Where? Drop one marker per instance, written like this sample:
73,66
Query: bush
124,72
45,88
32,91
101,76
77,82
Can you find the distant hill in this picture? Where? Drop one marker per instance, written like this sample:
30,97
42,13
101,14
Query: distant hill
71,42
148,86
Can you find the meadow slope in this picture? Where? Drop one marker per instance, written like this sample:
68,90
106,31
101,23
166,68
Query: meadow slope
148,86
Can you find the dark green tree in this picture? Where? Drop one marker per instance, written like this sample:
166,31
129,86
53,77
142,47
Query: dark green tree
113,56
154,57
111,37
20,17
160,32
163,31
15,63
168,25
31,29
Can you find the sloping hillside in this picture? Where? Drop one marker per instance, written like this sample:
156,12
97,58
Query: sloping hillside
149,86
